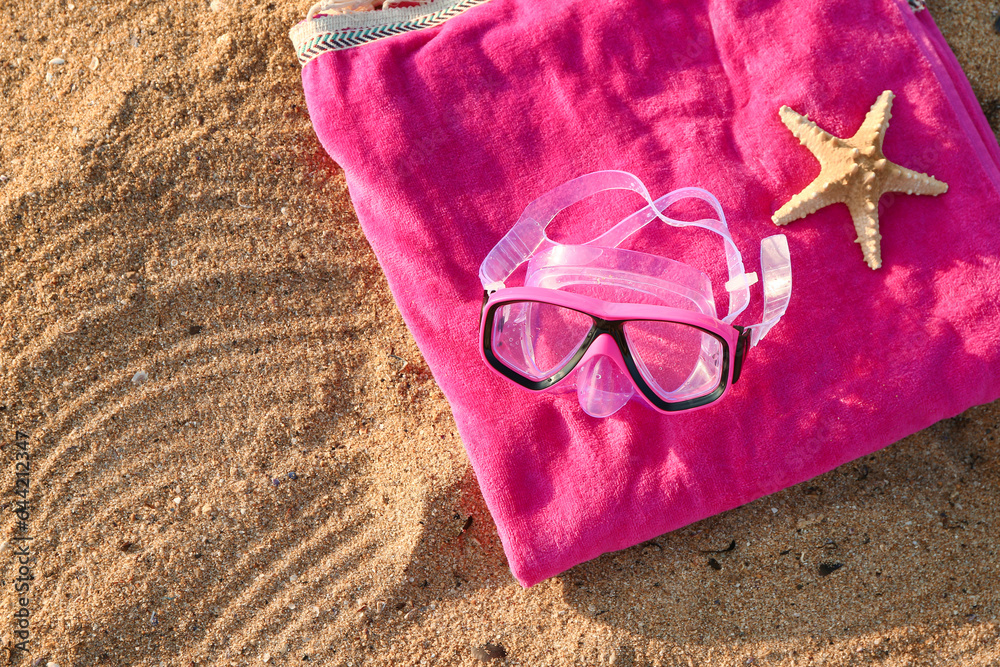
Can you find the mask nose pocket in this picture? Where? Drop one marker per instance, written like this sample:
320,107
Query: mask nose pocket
602,388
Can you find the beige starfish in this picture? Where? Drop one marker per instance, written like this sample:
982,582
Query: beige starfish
854,172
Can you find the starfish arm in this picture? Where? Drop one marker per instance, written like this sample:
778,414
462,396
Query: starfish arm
808,133
901,179
821,192
865,218
872,131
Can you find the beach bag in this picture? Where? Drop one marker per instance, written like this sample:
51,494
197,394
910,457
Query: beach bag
449,117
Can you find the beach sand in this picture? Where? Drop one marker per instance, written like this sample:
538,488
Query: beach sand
238,456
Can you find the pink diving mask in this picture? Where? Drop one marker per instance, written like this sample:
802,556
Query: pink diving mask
617,324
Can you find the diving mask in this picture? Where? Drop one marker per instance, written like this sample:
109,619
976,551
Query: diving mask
619,323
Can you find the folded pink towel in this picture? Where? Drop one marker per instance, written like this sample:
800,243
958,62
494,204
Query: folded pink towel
450,117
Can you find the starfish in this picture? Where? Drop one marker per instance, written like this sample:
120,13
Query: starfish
854,172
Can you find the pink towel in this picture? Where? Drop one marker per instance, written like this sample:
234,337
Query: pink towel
449,118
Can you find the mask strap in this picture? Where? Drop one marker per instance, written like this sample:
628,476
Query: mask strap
739,281
776,265
527,238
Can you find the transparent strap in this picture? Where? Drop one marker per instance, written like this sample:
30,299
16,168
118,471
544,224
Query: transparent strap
776,265
528,237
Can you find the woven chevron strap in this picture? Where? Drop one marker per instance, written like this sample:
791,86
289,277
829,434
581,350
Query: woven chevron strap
321,33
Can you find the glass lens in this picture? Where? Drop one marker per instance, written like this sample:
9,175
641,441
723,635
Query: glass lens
679,362
537,339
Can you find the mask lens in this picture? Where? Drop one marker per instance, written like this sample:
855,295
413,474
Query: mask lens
537,339
678,362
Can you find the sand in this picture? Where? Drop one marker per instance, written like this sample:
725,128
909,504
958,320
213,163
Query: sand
238,457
